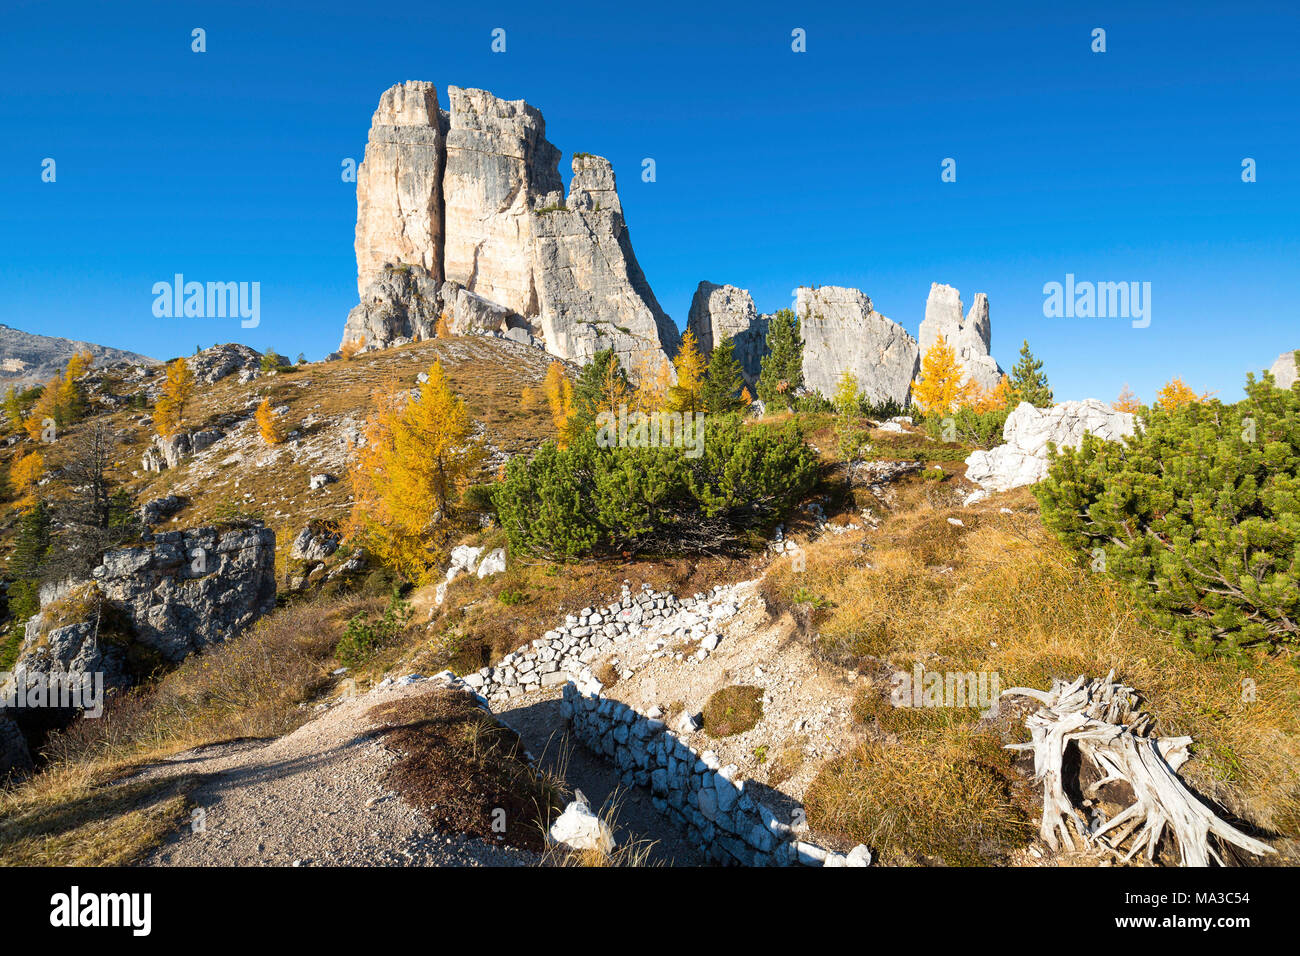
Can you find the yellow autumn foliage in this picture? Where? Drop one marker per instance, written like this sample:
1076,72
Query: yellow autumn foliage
418,454
941,387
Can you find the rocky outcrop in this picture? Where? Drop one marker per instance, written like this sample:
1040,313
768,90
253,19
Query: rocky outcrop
463,214
400,303
1284,370
185,590
399,191
170,451
969,338
592,292
721,310
157,510
1023,459
842,332
315,542
215,363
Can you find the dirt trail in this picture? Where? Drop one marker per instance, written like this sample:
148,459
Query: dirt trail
313,798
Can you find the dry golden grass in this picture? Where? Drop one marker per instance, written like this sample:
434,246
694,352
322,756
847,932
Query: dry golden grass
66,821
999,594
492,377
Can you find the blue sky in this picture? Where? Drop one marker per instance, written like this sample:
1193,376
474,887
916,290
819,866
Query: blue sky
774,168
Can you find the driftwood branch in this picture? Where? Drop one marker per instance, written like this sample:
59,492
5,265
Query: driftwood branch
1102,719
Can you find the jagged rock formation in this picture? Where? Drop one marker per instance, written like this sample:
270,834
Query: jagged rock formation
592,291
843,333
969,338
721,310
1284,370
29,359
399,198
498,164
461,213
1023,459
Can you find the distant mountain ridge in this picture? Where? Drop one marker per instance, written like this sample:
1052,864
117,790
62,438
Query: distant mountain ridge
30,359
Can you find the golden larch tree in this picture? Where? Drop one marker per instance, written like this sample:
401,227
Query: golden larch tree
941,387
652,385
25,471
1176,393
177,390
268,425
46,409
686,395
1127,401
419,452
559,396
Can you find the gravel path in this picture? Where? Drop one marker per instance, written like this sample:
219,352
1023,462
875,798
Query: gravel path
313,798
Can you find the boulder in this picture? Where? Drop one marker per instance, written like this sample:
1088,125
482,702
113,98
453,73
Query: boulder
1023,459
315,542
842,332
969,338
580,829
494,563
468,313
721,310
153,512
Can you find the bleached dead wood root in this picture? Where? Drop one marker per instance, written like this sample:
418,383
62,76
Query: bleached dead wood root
1102,719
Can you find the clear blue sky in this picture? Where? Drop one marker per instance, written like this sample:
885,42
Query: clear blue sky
775,169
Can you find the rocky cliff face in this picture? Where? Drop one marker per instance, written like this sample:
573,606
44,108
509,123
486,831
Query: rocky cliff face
592,293
969,338
462,213
1284,370
721,310
842,332
399,191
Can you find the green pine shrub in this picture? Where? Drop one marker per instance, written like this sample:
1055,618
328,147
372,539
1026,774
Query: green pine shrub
968,427
1199,514
586,499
